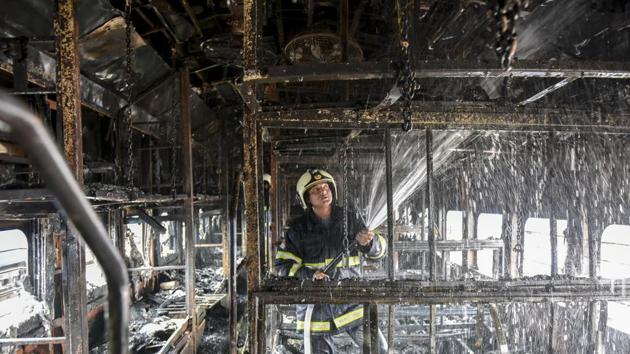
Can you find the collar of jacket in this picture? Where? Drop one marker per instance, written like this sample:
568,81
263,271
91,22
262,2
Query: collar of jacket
313,220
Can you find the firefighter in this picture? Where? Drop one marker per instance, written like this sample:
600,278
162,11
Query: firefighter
312,240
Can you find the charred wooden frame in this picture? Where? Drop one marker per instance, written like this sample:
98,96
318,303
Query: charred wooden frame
391,292
61,181
378,70
275,291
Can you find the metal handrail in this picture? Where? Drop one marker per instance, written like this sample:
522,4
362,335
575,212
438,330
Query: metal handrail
158,268
32,341
44,155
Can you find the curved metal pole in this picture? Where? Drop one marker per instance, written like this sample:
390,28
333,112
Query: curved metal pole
44,155
501,339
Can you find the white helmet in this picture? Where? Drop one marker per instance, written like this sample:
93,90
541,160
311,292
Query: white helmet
311,178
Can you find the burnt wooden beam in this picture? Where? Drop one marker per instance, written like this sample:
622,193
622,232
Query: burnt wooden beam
25,195
432,329
456,116
373,329
230,242
553,329
318,72
252,34
69,109
551,151
68,74
433,69
150,220
430,200
101,195
186,124
449,245
29,210
293,291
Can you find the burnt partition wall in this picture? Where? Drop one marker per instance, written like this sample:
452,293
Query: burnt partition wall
500,239
505,204
465,328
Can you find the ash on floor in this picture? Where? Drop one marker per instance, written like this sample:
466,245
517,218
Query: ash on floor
215,337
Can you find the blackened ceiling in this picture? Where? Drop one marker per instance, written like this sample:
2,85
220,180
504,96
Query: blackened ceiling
207,34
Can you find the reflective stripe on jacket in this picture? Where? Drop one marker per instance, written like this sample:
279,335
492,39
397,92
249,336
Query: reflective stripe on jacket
309,245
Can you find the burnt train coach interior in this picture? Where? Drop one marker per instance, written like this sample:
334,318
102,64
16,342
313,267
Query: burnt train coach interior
150,150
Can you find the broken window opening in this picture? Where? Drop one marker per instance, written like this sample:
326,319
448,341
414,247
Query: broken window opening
21,313
169,247
537,250
489,227
615,246
13,258
94,275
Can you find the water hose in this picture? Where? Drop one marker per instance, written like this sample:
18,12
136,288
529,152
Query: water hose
309,309
307,329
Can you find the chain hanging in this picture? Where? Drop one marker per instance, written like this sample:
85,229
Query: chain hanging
128,85
173,142
506,12
351,173
346,240
518,179
518,247
407,77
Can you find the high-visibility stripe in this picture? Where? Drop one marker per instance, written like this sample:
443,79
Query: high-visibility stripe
288,255
349,317
315,265
316,326
350,262
345,262
343,320
294,269
383,248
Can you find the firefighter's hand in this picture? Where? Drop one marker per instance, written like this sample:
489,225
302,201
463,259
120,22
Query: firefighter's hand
364,237
319,275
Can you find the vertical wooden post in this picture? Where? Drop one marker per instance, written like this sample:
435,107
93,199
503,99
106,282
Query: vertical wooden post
430,205
189,221
432,329
69,110
553,226
252,28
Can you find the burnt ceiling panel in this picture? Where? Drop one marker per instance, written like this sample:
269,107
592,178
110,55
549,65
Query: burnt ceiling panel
103,51
574,29
35,18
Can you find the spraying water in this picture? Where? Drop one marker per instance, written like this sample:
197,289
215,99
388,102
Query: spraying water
408,172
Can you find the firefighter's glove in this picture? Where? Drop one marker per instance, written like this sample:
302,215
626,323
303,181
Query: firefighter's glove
365,237
319,275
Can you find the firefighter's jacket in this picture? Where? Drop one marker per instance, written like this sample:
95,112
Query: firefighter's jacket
309,245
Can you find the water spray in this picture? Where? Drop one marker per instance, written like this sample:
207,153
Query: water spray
408,173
